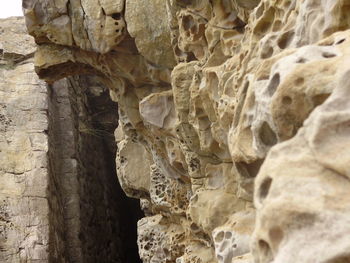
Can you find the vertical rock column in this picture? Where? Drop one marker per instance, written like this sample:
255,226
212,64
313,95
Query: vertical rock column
60,200
83,181
24,208
64,185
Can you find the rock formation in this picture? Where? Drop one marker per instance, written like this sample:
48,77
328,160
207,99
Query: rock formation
59,197
23,146
233,119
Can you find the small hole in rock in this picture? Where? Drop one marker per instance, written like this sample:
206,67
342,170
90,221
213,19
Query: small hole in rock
286,100
299,81
249,170
276,25
263,27
276,235
219,237
275,81
265,188
319,99
263,77
267,135
187,22
285,39
228,235
266,53
116,16
300,60
340,41
265,250
328,55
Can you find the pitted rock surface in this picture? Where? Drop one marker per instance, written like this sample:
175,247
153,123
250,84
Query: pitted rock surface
233,119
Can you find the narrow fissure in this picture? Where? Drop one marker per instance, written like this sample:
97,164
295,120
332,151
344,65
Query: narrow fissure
91,218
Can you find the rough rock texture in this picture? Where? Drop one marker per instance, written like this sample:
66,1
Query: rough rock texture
24,225
233,119
60,200
85,199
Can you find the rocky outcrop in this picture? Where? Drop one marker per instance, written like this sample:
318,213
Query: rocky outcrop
24,225
233,119
60,200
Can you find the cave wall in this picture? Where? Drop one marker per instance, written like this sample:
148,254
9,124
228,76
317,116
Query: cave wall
81,177
82,149
233,119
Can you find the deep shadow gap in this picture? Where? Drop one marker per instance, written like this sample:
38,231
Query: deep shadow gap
91,216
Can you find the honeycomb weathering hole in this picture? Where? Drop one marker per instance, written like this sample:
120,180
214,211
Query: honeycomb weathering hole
276,235
265,188
117,16
275,81
285,39
286,100
267,135
265,250
328,55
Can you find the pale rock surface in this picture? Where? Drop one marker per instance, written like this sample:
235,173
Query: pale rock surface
147,22
313,209
58,197
132,159
24,234
208,91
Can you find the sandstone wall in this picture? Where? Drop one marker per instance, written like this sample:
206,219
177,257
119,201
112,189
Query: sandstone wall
24,224
60,200
233,119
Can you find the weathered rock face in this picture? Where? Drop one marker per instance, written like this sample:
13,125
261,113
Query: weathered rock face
24,235
90,226
233,119
60,200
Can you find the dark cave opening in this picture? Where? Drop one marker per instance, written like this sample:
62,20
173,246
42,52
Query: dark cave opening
92,220
104,117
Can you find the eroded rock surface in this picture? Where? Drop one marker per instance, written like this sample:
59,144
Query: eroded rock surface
233,119
60,200
24,234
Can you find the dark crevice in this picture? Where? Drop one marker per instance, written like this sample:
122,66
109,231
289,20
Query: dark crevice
92,220
267,135
265,188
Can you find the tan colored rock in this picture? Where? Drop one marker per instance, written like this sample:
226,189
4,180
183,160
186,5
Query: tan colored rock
205,205
133,168
158,109
159,240
234,237
313,210
24,183
89,27
208,93
147,23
